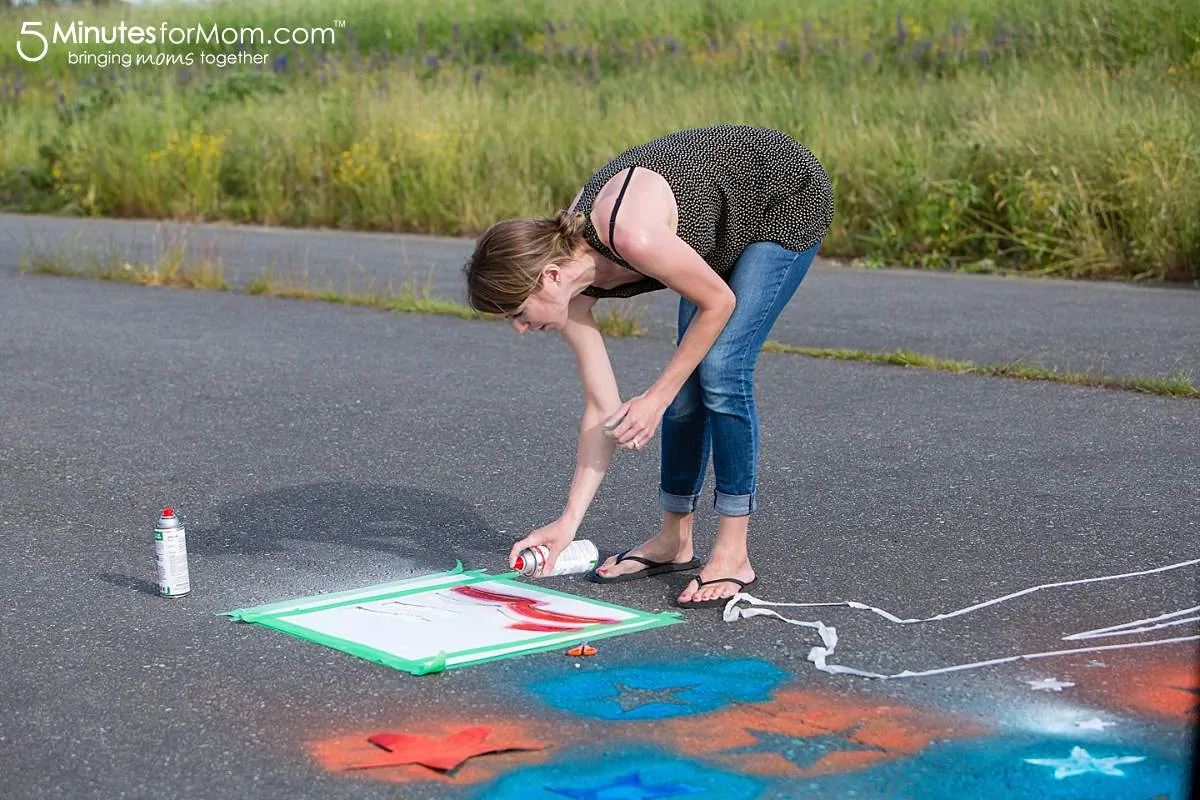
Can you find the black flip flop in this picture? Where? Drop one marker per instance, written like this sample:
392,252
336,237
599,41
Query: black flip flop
716,601
652,568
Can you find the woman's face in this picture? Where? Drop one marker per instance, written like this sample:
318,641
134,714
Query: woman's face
545,309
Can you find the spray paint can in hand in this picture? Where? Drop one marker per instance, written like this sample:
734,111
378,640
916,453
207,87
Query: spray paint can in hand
170,552
579,556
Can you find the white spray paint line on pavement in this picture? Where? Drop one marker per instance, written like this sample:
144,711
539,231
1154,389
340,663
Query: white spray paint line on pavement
829,639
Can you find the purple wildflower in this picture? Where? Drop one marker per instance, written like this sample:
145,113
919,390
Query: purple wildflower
901,31
477,76
280,63
984,57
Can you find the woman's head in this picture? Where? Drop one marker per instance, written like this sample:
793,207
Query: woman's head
511,258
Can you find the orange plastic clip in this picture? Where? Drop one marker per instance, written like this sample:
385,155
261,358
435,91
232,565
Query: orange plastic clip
582,649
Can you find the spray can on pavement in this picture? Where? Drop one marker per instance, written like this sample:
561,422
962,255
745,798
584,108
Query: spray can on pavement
579,556
170,553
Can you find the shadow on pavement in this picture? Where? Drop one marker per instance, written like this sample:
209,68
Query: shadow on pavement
129,582
421,524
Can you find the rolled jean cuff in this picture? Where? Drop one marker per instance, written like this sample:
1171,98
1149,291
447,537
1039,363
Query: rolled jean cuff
677,503
735,505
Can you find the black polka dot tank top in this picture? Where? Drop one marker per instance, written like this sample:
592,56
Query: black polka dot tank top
735,185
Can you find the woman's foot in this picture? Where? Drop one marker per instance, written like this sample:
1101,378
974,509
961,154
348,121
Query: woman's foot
714,588
672,545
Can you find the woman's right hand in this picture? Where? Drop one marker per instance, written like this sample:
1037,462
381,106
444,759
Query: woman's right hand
555,536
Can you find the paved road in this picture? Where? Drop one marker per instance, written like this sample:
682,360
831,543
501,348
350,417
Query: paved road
1097,328
312,447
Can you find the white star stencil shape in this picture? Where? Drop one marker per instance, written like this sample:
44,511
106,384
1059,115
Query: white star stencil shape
1093,724
1049,685
1081,762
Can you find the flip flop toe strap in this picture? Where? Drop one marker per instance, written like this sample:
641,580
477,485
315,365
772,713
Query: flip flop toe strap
700,583
626,557
647,562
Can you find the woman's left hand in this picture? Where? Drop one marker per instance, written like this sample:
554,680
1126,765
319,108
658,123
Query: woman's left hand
634,423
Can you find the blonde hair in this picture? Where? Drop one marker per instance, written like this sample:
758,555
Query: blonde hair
506,267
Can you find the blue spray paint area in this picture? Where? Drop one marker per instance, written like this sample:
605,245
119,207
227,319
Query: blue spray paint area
638,774
1012,769
660,691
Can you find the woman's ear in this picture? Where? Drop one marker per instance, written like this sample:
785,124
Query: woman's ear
552,273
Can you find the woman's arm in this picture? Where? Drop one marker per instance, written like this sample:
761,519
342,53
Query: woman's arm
645,236
600,399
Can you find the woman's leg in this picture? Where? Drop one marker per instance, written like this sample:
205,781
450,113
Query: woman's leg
764,280
685,442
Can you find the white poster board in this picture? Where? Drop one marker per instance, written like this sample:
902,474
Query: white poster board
449,619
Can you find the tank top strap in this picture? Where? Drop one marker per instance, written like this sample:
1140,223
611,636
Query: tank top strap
612,220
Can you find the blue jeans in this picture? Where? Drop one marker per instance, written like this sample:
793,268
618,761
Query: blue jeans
715,408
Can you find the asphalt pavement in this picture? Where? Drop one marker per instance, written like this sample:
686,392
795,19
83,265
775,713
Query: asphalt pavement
317,448
1098,328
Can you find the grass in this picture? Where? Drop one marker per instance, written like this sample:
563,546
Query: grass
175,269
1055,138
409,298
1178,385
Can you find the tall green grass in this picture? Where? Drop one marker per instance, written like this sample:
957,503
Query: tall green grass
1059,139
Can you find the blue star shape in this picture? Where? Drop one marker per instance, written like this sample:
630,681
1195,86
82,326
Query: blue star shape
801,751
658,691
628,787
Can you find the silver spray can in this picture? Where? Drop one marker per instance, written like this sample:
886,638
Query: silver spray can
170,553
579,556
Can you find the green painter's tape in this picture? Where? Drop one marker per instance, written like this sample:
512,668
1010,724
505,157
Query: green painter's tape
432,665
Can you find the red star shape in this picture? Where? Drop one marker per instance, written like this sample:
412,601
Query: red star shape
442,753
